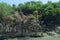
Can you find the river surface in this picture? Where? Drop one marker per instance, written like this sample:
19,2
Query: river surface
39,38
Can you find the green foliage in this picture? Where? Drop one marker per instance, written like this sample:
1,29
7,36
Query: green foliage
5,9
20,7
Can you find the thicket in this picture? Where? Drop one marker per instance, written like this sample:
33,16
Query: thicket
32,16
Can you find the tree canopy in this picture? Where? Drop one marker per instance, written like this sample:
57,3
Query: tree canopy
5,9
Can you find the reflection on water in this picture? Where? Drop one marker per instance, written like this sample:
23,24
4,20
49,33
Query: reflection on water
17,39
39,38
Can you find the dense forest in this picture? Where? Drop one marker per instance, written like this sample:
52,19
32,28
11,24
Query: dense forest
30,18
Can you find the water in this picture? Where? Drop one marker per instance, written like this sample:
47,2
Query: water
39,38
46,37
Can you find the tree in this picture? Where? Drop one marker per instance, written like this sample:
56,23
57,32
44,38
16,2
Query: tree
14,7
5,9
